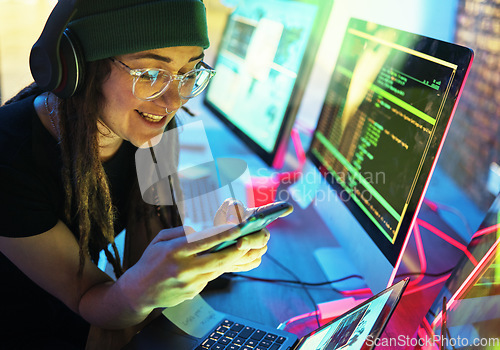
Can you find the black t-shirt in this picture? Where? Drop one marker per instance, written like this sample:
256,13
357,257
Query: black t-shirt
32,201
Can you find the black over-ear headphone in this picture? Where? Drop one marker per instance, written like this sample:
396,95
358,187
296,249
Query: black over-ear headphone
56,60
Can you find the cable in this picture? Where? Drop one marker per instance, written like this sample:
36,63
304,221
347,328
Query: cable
436,206
324,283
309,284
300,282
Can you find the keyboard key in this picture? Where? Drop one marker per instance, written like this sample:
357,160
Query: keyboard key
252,343
247,348
239,341
258,334
265,343
237,327
271,337
233,347
221,329
218,346
273,347
224,340
246,332
215,335
280,340
227,323
231,334
208,343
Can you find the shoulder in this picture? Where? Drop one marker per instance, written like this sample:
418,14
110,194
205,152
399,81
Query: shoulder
27,205
16,129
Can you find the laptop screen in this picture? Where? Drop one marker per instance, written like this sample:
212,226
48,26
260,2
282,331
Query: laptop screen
358,328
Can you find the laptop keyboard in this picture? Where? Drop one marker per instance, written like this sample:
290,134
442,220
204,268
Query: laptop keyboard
236,336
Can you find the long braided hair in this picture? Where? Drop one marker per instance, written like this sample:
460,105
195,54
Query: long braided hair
87,194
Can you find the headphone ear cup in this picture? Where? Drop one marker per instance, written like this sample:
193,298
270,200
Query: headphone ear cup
72,64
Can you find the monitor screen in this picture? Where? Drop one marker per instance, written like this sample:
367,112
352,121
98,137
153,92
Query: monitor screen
384,119
264,59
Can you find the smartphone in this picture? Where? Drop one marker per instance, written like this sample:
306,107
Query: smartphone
259,219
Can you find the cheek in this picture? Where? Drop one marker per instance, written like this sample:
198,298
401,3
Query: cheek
118,96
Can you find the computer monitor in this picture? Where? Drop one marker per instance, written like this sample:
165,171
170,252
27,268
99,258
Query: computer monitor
389,105
263,63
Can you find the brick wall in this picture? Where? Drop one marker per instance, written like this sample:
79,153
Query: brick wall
474,137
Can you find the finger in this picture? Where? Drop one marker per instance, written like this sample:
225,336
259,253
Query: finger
226,259
203,240
247,267
231,211
221,261
255,240
250,256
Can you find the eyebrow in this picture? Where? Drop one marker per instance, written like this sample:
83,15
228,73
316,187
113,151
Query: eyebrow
164,58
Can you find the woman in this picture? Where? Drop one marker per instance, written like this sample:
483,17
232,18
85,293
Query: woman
68,183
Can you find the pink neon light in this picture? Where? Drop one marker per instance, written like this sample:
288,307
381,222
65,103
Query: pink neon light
297,143
427,285
469,280
301,317
433,206
279,159
421,255
448,239
486,230
427,331
361,291
291,176
300,125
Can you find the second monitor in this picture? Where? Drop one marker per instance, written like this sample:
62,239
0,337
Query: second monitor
263,63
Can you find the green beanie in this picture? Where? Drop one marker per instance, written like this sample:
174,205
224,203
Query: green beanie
108,28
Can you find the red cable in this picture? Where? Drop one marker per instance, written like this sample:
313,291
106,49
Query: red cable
448,239
486,230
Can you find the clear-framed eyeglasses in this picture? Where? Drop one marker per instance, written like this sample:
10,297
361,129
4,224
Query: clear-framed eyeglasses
151,83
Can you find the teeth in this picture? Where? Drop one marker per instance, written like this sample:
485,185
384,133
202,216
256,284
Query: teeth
151,117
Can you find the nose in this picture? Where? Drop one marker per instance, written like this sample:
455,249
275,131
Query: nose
170,99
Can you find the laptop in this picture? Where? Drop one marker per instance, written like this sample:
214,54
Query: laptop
360,327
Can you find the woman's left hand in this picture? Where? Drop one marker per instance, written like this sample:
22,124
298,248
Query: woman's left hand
234,212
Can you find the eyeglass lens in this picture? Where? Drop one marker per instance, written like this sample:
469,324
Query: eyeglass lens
151,83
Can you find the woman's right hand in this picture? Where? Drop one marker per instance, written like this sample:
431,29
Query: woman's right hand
172,269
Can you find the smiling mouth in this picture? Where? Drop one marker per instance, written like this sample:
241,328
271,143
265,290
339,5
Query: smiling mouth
151,117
